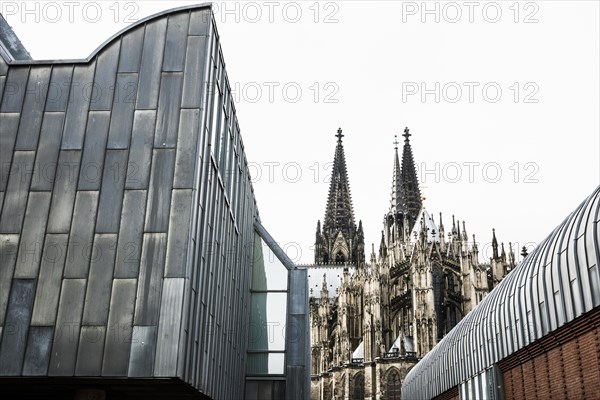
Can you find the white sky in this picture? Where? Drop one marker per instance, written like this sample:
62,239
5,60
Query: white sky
369,56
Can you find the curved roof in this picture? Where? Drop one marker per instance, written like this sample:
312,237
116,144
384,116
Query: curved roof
555,284
107,42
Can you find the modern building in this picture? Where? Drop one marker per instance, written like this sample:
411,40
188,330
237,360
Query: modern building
133,264
372,321
536,335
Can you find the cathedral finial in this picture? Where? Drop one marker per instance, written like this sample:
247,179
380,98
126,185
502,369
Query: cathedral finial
339,134
494,244
406,134
396,142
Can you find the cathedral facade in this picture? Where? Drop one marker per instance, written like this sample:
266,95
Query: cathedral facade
371,321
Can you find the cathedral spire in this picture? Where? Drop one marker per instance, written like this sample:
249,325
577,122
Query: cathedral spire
412,194
339,213
340,241
494,245
397,201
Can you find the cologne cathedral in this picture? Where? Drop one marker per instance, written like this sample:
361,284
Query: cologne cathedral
372,321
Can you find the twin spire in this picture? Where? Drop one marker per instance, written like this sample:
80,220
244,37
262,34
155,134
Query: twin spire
339,212
406,195
340,240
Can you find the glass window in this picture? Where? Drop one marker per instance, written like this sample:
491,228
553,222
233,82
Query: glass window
265,390
267,321
358,390
265,363
393,385
269,273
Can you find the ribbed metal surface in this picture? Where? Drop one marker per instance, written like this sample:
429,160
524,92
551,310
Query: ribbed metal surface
556,283
125,210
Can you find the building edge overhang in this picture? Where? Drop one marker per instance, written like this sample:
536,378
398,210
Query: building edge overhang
106,43
11,47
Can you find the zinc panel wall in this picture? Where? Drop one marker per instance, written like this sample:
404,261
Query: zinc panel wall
550,283
111,203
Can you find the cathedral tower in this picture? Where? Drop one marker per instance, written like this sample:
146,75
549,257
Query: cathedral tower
339,240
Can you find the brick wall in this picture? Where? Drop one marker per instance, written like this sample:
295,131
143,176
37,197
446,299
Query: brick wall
562,365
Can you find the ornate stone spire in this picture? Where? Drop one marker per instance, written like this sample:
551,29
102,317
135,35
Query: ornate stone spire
339,214
410,183
494,245
397,201
341,239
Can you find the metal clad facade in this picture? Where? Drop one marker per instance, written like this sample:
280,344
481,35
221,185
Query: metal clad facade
554,285
126,210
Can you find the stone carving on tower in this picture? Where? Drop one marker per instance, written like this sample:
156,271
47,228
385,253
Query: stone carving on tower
339,241
371,322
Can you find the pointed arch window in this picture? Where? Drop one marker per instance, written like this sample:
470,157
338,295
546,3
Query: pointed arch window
393,385
358,392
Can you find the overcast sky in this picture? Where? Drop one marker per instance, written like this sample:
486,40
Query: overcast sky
502,99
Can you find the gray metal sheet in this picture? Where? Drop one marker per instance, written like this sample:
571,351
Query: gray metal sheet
159,192
50,278
178,238
17,190
81,235
2,82
92,162
111,195
193,76
3,66
89,352
58,90
167,344
140,155
131,230
8,134
14,89
143,346
104,80
200,21
37,355
177,29
97,296
167,120
120,327
152,58
121,119
131,50
32,236
68,322
9,247
63,194
298,292
33,108
77,109
150,280
47,154
296,339
185,161
14,337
